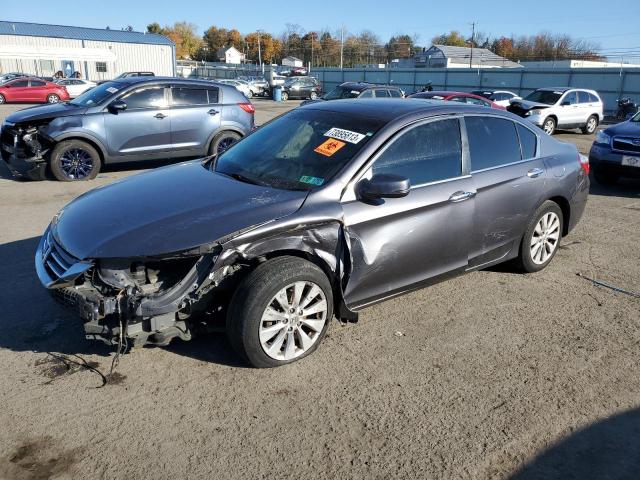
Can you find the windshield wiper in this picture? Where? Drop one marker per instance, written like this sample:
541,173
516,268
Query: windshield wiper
242,178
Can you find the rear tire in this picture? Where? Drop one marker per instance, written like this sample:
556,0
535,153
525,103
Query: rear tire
606,179
74,160
2,99
263,331
542,238
285,96
223,141
549,126
591,125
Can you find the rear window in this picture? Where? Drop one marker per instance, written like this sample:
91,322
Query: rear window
528,142
37,83
189,96
492,142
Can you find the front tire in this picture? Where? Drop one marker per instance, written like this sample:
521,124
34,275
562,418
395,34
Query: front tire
590,126
2,99
549,126
280,312
285,96
74,160
53,98
541,238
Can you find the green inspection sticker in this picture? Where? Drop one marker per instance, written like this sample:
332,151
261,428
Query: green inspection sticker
312,180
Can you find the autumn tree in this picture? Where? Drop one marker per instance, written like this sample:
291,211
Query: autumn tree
453,39
270,48
187,41
155,28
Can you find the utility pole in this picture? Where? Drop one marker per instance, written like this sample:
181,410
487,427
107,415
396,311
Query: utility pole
259,50
473,37
341,45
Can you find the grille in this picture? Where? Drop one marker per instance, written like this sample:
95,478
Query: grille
627,144
56,260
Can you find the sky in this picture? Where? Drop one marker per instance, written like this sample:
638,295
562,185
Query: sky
612,25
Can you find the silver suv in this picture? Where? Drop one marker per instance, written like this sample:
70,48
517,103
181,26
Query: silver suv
551,108
125,120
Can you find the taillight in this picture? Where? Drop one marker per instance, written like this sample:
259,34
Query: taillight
584,163
248,107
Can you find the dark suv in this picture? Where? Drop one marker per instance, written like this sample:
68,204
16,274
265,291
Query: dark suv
301,87
125,120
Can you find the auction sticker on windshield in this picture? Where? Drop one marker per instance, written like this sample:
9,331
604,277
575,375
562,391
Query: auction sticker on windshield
346,135
329,147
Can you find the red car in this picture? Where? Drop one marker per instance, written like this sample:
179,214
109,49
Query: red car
32,90
462,97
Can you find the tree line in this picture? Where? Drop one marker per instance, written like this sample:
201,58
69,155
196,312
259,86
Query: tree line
323,48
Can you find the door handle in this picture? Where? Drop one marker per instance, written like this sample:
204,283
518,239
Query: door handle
213,111
461,196
535,172
160,115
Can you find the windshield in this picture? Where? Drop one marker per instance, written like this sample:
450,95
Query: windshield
341,92
636,117
98,94
301,150
548,97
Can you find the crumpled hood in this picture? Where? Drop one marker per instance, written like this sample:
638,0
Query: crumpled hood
166,210
44,112
624,128
528,105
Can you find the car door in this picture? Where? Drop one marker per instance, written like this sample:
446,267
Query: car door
143,128
18,91
585,106
508,177
195,114
569,114
37,91
400,244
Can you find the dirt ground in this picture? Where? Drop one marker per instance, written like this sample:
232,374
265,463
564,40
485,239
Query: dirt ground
489,376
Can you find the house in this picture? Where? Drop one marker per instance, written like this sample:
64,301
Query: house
292,62
230,55
445,56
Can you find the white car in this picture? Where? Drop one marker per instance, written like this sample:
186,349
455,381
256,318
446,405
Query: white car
566,107
240,86
499,97
76,86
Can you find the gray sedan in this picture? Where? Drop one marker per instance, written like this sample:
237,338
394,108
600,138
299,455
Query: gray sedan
328,209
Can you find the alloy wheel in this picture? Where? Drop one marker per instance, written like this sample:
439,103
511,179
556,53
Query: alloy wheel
549,126
591,125
224,144
545,238
53,99
293,320
76,163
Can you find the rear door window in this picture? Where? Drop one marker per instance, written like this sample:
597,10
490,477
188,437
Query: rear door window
528,142
583,97
493,142
214,95
382,93
37,83
183,96
426,153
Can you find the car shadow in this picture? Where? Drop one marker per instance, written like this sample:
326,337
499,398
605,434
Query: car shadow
31,320
625,187
609,448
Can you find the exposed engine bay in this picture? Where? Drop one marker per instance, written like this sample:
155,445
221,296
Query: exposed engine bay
24,147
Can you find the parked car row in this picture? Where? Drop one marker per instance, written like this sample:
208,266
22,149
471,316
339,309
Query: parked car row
32,90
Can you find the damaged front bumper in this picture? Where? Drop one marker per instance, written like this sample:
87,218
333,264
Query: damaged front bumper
110,314
23,152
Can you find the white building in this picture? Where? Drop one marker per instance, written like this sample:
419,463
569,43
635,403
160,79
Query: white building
230,55
292,62
97,54
578,64
445,56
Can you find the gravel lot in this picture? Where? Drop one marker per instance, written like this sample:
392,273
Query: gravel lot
491,375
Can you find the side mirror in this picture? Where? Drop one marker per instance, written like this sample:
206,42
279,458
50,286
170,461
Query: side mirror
383,185
117,106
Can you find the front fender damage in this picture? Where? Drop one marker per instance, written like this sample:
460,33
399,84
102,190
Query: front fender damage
129,296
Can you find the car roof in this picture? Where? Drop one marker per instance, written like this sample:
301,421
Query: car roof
137,80
388,109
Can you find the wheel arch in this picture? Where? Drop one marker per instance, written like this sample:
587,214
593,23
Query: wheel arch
224,128
91,141
565,207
